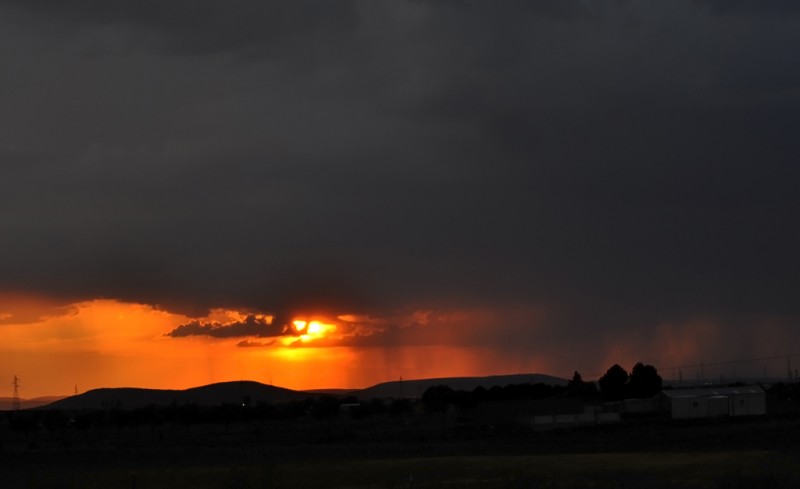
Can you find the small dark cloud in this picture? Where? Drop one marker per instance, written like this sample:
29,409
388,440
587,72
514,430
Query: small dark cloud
255,344
251,326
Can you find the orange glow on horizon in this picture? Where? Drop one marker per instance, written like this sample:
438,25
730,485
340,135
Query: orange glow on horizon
52,346
103,343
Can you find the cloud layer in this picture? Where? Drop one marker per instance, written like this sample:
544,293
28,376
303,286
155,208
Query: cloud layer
258,327
620,165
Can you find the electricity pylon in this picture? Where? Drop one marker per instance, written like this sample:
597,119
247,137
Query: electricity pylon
15,404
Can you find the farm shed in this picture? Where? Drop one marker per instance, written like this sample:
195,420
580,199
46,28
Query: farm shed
591,414
543,413
521,412
712,402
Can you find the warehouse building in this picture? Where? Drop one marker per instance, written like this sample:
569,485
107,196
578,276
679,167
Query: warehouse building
713,402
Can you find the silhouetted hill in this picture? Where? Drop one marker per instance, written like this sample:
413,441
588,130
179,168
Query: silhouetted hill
235,392
238,392
209,395
415,388
5,402
331,392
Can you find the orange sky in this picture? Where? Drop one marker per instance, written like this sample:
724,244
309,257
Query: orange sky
105,343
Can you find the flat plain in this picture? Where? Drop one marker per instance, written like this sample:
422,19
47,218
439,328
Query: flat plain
411,451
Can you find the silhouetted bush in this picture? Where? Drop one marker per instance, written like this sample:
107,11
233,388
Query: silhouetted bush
23,421
325,407
437,398
400,406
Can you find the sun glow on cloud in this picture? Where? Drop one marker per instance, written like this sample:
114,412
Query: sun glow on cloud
106,343
53,346
309,331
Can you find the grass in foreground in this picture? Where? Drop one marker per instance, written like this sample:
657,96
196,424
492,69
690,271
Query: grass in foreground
663,470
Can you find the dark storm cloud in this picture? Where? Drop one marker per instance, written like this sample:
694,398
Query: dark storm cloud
632,161
251,326
16,309
752,7
196,27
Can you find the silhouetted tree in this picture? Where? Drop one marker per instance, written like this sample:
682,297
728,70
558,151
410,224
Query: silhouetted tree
364,409
644,381
612,384
378,406
578,388
480,393
325,407
24,421
496,393
350,400
437,398
576,385
400,406
292,409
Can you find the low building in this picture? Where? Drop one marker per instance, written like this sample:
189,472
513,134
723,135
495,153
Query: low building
543,413
718,401
591,414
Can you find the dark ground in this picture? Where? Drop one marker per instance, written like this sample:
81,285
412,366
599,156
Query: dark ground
118,451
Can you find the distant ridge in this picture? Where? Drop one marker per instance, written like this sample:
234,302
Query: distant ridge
236,392
415,388
5,402
329,392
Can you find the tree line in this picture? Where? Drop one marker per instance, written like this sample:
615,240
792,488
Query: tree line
616,384
643,381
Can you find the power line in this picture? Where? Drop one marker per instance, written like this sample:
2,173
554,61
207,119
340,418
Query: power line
703,365
734,362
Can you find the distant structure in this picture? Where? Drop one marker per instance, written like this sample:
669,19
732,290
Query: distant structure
15,403
544,414
722,401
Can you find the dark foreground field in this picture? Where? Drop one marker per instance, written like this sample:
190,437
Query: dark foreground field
405,452
641,470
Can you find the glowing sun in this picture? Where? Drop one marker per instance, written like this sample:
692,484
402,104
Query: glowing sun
311,330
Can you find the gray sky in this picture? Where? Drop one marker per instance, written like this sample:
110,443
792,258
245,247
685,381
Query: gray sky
620,164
